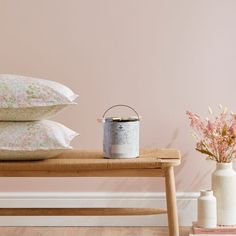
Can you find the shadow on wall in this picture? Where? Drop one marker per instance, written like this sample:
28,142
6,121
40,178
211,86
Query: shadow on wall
197,176
173,138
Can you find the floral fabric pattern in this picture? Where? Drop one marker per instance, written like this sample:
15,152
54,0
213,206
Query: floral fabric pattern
38,139
38,99
29,113
21,91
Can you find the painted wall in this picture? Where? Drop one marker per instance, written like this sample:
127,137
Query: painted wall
160,56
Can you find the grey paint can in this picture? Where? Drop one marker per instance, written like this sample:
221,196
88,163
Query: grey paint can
121,135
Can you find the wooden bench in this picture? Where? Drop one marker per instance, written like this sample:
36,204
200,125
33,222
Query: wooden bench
77,163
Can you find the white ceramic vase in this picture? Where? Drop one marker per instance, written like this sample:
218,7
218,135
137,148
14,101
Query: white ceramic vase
207,210
224,189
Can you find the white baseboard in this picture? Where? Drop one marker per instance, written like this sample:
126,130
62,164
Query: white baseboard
187,208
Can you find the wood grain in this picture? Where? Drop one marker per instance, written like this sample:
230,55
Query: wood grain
80,211
87,173
171,202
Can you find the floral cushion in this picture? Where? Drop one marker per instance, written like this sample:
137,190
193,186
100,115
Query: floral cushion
33,139
26,98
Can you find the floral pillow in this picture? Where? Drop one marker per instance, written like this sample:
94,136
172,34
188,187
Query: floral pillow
33,140
26,98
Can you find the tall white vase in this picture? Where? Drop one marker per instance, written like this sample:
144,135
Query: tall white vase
224,189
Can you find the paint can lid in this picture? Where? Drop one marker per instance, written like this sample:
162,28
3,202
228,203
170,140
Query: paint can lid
122,119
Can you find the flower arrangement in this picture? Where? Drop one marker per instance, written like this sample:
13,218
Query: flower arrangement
215,138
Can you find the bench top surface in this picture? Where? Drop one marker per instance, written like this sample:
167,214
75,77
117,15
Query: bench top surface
76,160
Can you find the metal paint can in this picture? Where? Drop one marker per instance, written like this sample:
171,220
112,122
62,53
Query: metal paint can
121,135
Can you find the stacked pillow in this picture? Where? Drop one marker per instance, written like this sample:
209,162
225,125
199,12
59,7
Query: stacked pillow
24,103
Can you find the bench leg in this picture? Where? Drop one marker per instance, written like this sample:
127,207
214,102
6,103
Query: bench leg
171,202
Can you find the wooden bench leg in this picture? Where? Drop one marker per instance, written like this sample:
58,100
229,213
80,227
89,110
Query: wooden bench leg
171,202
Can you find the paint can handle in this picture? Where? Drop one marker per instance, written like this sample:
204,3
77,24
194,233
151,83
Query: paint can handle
121,105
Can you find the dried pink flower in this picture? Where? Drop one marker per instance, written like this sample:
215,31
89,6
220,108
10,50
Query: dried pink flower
215,138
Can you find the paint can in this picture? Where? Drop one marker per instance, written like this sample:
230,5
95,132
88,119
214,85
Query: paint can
120,135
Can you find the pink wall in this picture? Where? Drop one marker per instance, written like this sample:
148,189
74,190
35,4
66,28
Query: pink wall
162,57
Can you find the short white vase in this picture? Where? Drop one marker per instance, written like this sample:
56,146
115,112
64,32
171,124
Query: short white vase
207,210
224,189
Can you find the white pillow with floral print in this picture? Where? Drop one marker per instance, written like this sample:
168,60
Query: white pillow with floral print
33,139
26,98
